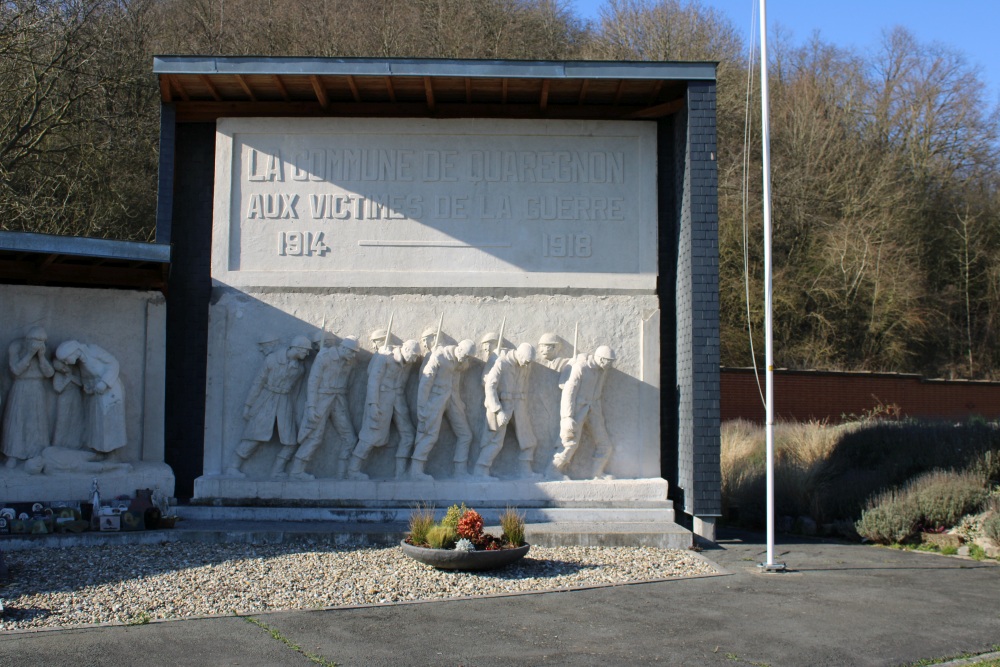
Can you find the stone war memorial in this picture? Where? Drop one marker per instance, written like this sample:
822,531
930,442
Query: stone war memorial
394,282
435,281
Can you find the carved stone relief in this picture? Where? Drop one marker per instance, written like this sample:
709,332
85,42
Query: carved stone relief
515,388
26,417
105,404
82,381
507,391
271,402
439,394
385,404
582,409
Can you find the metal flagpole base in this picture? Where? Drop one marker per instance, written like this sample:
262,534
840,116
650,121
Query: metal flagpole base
772,567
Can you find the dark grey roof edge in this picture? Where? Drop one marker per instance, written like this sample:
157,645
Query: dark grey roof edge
511,69
85,247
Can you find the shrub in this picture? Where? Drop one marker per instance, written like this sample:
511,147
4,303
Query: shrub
470,526
891,517
441,537
944,497
828,472
421,521
452,516
991,525
512,524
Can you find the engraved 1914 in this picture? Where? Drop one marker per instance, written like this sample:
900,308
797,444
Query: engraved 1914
299,244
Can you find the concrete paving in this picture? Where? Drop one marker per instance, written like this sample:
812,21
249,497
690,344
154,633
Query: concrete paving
840,604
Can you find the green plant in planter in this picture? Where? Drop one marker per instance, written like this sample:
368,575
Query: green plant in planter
454,515
512,523
441,537
421,521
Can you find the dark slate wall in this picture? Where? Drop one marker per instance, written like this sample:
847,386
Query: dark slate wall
698,310
670,175
188,294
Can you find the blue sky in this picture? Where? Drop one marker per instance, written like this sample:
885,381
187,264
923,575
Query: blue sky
971,26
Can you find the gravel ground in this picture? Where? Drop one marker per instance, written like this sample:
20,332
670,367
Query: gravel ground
136,584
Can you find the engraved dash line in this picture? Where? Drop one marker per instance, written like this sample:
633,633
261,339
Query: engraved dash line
431,244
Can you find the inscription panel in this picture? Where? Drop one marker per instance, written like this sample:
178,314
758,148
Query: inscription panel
376,202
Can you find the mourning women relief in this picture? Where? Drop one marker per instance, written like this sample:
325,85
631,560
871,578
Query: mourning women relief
65,410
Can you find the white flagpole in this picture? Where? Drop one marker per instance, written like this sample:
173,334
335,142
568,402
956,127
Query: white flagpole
768,327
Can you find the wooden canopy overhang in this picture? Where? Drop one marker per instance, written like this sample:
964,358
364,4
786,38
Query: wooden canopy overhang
202,89
72,261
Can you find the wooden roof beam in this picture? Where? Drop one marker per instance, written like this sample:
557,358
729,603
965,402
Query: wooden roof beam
658,111
503,99
543,101
354,88
246,87
429,90
175,82
619,91
324,99
211,88
208,111
280,85
656,91
468,90
583,91
166,94
390,89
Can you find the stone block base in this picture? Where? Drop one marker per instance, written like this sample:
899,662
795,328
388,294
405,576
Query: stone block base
17,486
222,490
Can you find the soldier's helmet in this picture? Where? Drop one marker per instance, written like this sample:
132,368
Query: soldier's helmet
464,349
429,331
549,339
349,343
410,350
302,342
378,334
604,352
489,337
525,353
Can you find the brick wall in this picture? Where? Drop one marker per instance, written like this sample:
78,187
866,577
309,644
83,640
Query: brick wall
805,395
697,291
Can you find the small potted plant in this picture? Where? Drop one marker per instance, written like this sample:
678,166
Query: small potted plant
458,541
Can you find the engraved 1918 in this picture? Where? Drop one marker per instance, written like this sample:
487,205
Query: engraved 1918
566,245
298,244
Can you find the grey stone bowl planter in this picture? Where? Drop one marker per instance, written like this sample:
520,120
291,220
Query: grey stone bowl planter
450,559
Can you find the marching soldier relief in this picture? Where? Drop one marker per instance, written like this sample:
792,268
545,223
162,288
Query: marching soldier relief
507,392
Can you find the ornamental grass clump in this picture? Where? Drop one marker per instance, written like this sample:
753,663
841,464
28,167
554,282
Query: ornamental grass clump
512,523
421,521
441,537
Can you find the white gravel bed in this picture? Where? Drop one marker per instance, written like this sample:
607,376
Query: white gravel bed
136,584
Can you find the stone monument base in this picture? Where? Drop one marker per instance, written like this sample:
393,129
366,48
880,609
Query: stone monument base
17,486
326,492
